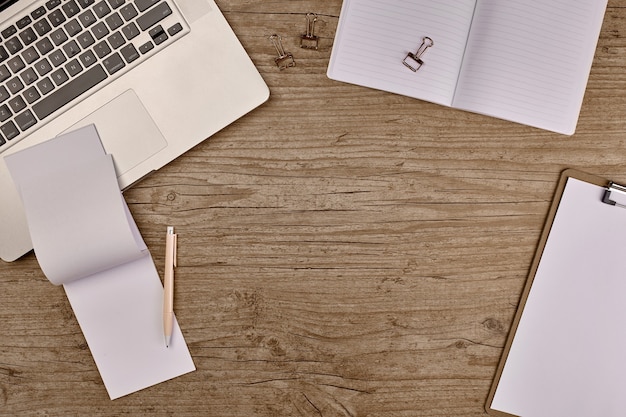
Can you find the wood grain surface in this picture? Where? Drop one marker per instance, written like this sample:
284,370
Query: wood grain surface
342,251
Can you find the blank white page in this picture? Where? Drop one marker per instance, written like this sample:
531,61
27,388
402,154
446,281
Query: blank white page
374,37
81,226
567,356
529,61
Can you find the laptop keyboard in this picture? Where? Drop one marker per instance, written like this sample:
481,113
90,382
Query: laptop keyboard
57,51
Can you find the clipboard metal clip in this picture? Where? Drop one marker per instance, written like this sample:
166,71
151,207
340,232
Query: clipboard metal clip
284,59
309,40
413,61
615,195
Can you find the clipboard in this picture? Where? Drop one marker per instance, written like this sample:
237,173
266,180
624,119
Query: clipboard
566,351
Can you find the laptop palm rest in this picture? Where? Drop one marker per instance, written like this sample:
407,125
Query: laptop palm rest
126,130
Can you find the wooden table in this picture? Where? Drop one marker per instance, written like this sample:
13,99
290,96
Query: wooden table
342,251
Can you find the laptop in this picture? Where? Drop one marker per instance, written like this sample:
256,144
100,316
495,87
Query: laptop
156,77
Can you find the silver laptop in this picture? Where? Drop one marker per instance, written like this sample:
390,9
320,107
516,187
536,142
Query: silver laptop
156,77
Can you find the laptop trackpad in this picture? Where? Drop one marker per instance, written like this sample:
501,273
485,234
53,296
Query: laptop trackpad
126,130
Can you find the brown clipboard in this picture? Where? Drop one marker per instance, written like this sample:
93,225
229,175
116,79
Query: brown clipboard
565,175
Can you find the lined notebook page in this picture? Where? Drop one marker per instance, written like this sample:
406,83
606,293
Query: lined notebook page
529,61
374,37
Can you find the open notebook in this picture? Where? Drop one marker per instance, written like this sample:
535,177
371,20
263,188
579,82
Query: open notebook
565,351
525,61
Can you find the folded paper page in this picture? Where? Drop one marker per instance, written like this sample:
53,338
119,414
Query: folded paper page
86,239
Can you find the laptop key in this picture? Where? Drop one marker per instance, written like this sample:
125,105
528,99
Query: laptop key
173,30
31,95
146,47
5,113
14,85
9,31
102,49
154,16
42,27
158,35
23,22
101,9
14,45
87,58
4,94
131,31
30,55
44,46
25,120
59,76
28,36
86,3
4,72
52,4
114,21
38,12
69,91
45,85
9,130
56,17
129,53
70,8
16,104
116,3
128,12
145,4
87,18
116,40
85,39
113,63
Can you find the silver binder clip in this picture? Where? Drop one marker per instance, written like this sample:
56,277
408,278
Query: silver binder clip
284,59
413,61
309,40
615,195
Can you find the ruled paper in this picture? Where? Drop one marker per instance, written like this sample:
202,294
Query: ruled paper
529,61
374,37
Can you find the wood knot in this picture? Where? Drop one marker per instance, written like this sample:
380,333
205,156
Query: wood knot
494,325
275,348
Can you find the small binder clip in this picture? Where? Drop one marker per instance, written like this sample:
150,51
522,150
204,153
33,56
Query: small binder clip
413,61
615,195
284,59
309,40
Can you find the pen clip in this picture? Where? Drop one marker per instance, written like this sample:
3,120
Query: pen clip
175,250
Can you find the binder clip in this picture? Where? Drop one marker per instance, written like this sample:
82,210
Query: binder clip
413,61
615,195
284,59
309,40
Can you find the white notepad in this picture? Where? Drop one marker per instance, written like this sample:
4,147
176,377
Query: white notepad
565,352
86,240
525,61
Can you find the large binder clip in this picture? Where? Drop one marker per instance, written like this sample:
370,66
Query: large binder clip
309,40
284,59
615,195
413,61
